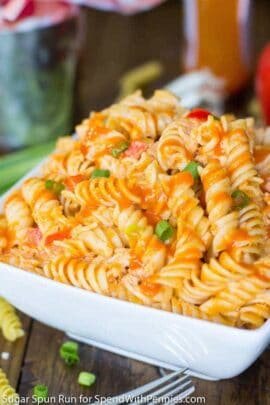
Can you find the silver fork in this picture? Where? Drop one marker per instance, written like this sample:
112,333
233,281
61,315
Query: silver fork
168,389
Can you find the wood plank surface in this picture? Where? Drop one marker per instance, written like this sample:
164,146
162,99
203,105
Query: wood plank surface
16,352
112,45
116,374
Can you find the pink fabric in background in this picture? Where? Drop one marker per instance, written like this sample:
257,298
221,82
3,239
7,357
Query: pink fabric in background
123,6
12,10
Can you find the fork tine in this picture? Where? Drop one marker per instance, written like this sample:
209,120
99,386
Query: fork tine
171,385
140,391
182,383
182,395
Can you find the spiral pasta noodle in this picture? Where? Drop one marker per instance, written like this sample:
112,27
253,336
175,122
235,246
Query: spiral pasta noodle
222,218
244,177
139,236
254,313
108,192
152,204
236,294
19,217
184,204
46,208
135,116
176,146
95,275
181,307
7,394
210,135
10,324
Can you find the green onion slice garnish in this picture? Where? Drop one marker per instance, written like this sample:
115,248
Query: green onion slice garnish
164,230
192,168
86,379
69,353
241,199
120,148
100,173
54,186
49,184
40,392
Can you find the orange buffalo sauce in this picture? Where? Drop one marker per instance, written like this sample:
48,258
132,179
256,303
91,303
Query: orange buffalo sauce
84,149
11,237
149,288
221,197
152,217
261,153
135,262
185,178
212,178
85,212
97,132
218,150
96,120
71,181
239,237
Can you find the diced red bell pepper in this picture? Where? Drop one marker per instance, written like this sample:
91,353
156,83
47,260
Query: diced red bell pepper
136,148
57,236
199,114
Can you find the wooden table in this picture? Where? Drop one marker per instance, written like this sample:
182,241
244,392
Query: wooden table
112,45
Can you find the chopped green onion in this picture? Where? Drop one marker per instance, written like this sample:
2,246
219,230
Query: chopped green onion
192,168
49,184
241,199
100,173
54,186
86,379
40,392
164,230
120,148
69,353
14,165
71,346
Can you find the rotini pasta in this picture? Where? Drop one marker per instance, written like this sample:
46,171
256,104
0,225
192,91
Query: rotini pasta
245,179
10,324
177,144
152,204
19,218
223,219
7,394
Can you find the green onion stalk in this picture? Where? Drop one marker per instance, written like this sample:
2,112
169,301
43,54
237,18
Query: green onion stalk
15,165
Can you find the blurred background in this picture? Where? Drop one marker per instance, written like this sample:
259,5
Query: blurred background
59,61
114,44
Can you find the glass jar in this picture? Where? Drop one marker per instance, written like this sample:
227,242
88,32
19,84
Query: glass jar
217,36
37,70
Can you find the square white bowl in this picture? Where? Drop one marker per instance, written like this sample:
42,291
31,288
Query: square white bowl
161,338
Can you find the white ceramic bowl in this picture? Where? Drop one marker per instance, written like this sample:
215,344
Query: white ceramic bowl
170,340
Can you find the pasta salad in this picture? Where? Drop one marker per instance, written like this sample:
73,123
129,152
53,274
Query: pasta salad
154,204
